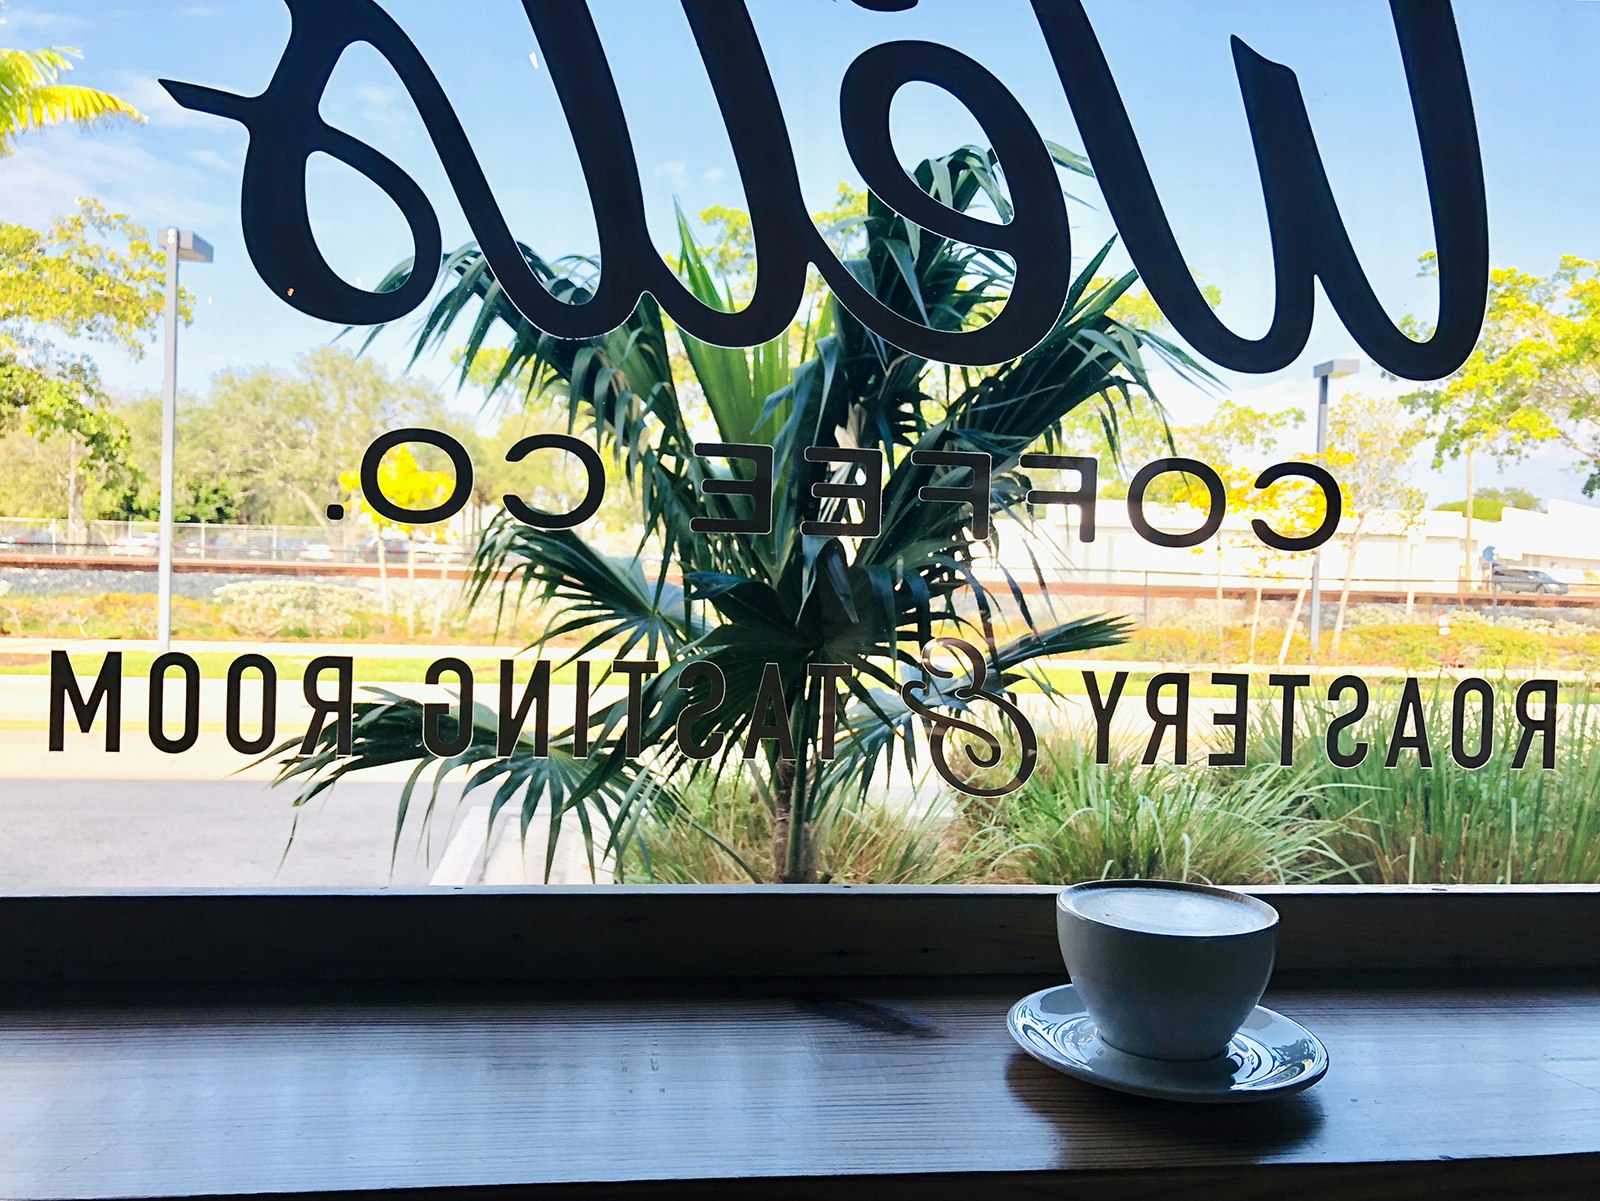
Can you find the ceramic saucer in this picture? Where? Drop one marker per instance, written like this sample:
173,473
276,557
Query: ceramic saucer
1271,1056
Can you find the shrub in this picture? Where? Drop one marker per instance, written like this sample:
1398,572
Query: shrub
1447,824
722,834
1080,820
270,608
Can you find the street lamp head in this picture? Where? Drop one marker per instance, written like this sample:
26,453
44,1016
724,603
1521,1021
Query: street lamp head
192,248
1334,368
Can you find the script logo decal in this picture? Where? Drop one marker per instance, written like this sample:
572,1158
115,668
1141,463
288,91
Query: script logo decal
1309,240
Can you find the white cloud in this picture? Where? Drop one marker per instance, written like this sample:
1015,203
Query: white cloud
33,20
373,108
147,95
47,174
674,172
202,11
385,107
213,160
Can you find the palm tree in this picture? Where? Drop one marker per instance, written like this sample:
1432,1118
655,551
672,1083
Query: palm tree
742,603
31,97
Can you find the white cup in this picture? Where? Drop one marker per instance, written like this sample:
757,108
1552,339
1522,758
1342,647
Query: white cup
1166,970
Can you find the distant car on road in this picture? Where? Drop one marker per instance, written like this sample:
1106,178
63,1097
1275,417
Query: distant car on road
437,552
315,552
394,549
137,546
259,547
26,540
1524,579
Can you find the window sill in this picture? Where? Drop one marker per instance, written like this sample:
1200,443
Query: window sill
751,931
809,1089
871,1080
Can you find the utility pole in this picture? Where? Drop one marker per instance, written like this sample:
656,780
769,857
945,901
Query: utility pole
182,246
1323,372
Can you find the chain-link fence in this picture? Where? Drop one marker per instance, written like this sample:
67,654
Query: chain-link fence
108,544
133,540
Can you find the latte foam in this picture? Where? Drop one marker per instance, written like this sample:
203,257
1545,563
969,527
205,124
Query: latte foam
1168,911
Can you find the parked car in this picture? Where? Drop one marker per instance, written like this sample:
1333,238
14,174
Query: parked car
27,540
394,548
223,546
259,547
137,546
1524,579
290,548
315,552
437,552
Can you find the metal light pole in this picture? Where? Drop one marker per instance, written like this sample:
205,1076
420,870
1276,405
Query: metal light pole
1323,372
182,245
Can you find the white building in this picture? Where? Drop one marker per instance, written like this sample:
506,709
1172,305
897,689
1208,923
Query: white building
1395,551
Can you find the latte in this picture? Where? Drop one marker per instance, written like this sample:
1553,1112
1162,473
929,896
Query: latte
1169,911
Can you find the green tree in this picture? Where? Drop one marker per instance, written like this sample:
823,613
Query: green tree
730,253
284,437
32,96
1237,441
767,611
407,484
1534,379
1490,504
213,493
91,276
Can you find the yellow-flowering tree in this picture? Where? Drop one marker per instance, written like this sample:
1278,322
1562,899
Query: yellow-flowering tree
1370,443
1534,379
407,485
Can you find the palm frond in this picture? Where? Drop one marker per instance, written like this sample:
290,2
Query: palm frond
602,600
783,602
32,99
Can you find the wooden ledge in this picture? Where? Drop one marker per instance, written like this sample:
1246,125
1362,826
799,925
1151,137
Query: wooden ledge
849,1089
763,1043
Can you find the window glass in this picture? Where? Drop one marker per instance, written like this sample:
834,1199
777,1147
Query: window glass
895,441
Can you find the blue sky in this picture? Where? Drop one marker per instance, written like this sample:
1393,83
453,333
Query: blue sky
1531,66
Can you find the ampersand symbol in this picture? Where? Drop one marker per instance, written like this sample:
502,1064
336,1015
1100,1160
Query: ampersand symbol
912,693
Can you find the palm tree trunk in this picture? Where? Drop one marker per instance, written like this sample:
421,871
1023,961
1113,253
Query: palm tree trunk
794,852
782,819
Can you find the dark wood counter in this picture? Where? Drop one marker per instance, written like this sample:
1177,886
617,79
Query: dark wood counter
1441,1085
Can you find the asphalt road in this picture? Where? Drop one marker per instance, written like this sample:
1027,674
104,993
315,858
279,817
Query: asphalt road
154,833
